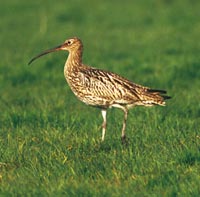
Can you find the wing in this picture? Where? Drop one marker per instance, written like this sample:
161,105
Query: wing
109,87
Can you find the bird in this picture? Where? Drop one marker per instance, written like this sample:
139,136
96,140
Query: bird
103,89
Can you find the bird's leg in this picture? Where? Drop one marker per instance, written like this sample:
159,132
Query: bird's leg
124,123
125,110
103,112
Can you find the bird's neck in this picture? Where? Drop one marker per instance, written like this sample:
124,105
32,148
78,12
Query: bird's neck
74,61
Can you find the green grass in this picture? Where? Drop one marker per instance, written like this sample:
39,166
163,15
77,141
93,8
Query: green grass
50,142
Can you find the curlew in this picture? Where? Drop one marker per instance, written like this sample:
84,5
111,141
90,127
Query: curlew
101,88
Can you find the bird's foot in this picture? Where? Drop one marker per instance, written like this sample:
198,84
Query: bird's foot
125,140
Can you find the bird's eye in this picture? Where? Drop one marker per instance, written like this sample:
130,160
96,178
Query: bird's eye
69,42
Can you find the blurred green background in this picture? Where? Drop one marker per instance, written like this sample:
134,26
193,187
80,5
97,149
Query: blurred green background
50,142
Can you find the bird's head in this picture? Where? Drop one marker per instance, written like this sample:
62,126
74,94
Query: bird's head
72,44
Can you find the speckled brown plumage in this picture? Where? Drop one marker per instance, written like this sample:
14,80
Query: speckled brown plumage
101,88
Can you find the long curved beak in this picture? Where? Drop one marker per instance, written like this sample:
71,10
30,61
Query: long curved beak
46,52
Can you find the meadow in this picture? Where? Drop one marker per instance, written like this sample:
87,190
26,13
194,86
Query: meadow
50,142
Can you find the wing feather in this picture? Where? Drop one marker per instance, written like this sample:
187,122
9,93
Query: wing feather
111,86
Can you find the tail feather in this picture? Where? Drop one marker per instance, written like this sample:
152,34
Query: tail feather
156,97
166,97
160,93
157,91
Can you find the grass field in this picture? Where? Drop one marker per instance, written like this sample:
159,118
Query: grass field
50,142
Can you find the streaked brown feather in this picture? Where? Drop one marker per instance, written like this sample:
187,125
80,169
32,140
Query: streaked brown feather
107,87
